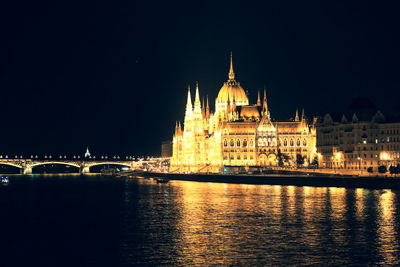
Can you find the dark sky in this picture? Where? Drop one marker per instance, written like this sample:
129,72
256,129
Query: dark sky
113,75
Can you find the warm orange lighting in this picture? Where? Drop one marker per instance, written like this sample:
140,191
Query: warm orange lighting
237,134
385,156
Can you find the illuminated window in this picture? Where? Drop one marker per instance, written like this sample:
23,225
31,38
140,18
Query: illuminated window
225,143
291,142
251,143
259,141
285,142
298,142
245,143
232,143
238,143
304,142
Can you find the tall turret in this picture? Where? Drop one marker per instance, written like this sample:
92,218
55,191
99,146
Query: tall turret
203,109
197,113
197,104
189,113
207,110
233,105
297,115
259,99
265,104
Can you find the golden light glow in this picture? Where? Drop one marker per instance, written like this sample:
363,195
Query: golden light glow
385,156
238,134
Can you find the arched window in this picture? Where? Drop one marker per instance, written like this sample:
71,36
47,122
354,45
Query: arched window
273,142
180,147
232,143
245,143
260,141
304,142
265,141
269,142
291,142
225,143
251,143
298,142
238,142
285,142
279,142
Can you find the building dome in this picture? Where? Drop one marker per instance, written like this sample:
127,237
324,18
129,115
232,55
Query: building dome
232,91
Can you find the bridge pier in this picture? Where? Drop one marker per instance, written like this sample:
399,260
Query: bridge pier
84,169
27,170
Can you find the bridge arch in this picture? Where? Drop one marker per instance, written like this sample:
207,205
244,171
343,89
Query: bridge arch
10,164
55,163
89,165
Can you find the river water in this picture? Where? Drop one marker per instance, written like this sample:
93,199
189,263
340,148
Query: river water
99,221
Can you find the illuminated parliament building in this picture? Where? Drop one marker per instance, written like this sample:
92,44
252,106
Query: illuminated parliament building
238,134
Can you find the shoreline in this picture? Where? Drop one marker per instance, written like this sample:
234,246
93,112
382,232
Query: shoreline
287,179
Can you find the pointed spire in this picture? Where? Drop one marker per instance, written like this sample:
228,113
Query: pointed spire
302,115
197,98
203,109
259,99
265,94
189,99
265,105
176,128
207,110
231,73
179,127
233,105
297,115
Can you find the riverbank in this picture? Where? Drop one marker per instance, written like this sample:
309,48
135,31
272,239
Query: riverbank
297,180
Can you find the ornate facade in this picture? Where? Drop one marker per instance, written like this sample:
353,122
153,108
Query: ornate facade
238,134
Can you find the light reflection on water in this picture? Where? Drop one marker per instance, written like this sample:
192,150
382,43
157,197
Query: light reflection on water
190,223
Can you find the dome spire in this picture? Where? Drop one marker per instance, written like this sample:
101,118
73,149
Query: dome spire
231,73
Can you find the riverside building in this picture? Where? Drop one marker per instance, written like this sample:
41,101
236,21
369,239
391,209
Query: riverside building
358,144
238,133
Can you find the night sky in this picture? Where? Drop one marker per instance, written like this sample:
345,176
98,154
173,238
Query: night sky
113,75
